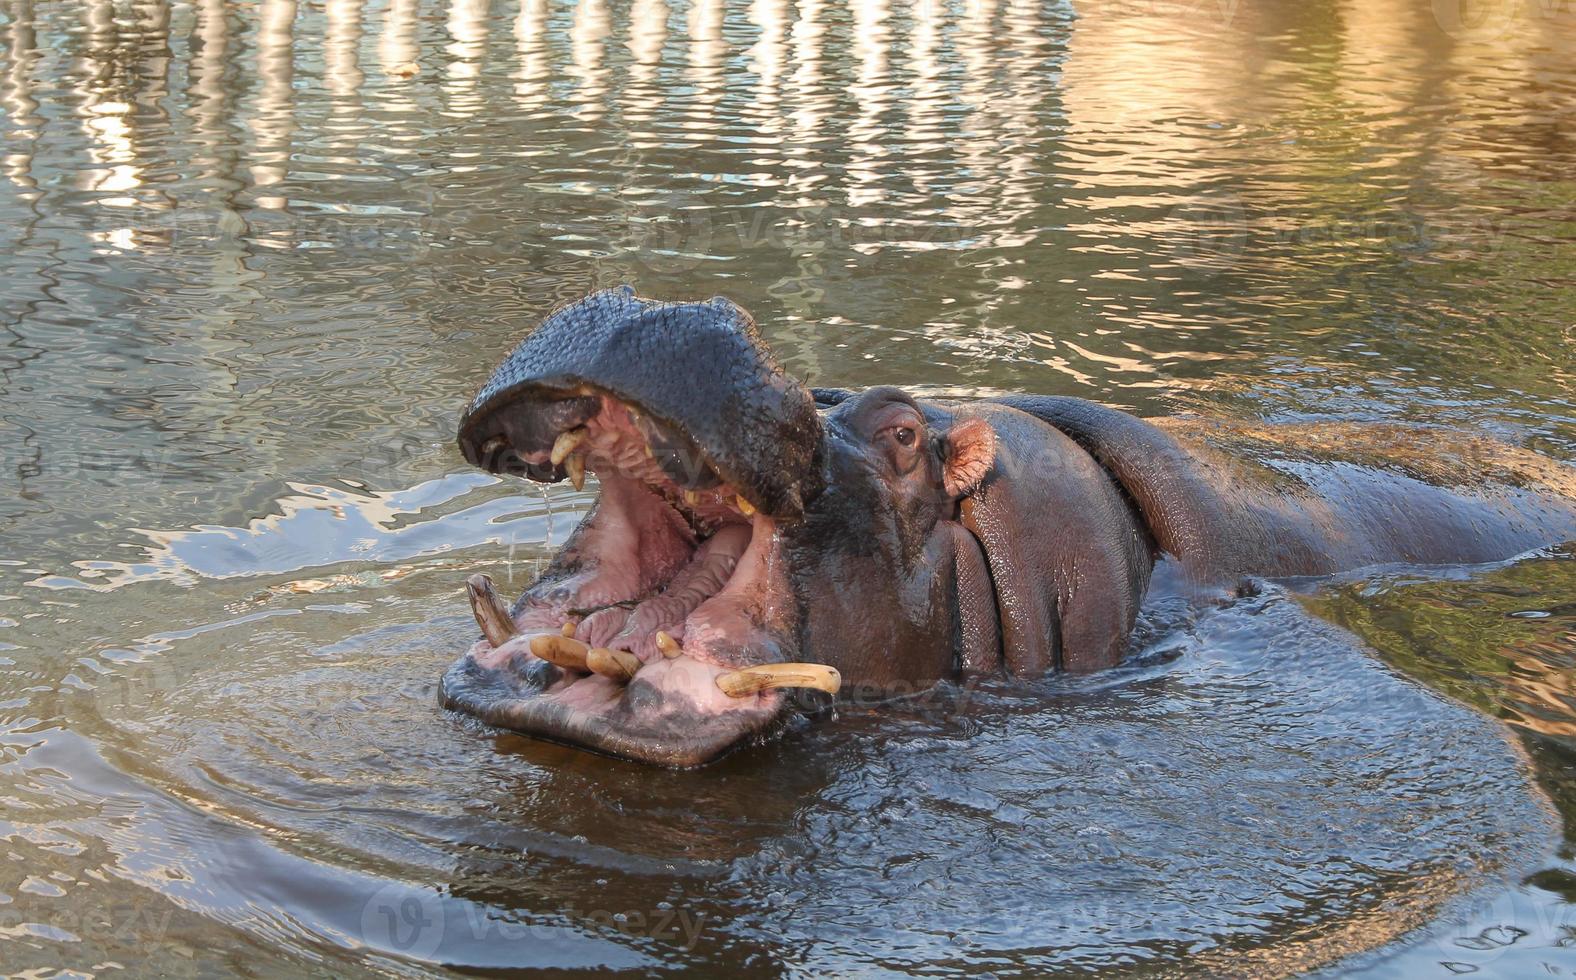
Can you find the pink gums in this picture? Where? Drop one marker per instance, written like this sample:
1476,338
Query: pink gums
651,566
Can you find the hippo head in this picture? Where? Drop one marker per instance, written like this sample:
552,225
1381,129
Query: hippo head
754,543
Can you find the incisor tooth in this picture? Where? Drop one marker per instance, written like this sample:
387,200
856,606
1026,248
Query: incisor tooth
491,613
566,443
560,650
616,664
575,465
752,680
668,645
745,507
691,498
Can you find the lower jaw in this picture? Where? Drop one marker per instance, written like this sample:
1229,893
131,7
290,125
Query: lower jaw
674,711
652,719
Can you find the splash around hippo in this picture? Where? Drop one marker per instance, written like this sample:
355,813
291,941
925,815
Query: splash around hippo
758,546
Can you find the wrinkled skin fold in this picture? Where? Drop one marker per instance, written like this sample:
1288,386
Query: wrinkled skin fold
758,547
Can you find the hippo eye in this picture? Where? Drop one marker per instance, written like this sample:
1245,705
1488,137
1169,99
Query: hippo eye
904,436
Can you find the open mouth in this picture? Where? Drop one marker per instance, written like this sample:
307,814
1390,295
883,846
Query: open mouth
663,631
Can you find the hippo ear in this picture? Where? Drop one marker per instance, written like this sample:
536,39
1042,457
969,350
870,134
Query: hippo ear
970,451
1068,561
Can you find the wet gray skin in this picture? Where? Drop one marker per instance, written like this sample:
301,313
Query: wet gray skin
899,541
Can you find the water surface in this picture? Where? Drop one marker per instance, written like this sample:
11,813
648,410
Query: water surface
255,257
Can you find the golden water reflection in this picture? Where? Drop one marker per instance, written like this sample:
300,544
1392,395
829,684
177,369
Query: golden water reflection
1148,149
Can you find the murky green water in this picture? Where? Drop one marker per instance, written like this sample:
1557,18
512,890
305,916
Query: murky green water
255,257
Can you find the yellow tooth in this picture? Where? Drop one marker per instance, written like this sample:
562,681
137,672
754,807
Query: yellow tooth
691,498
491,613
560,650
575,465
569,629
567,443
668,645
616,664
752,680
745,507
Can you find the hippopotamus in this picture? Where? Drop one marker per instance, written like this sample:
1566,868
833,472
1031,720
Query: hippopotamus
759,547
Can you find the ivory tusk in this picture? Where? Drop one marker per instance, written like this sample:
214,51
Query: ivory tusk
668,645
752,680
560,650
491,613
566,443
575,466
615,664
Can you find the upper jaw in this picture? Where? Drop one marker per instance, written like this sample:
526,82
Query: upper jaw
551,436
698,375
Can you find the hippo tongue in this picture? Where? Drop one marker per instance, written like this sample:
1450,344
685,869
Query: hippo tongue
699,369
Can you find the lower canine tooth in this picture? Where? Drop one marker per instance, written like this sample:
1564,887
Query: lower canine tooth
560,650
668,645
567,443
491,613
745,507
752,680
575,465
616,664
